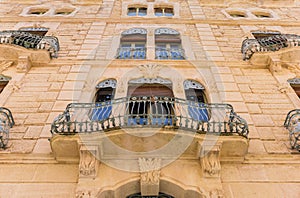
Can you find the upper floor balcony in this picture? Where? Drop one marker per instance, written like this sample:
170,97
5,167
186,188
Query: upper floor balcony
6,122
150,112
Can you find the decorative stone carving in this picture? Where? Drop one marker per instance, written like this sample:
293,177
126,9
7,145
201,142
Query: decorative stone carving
83,194
134,31
150,81
210,160
216,193
166,31
150,71
88,164
107,83
24,64
191,84
150,173
4,65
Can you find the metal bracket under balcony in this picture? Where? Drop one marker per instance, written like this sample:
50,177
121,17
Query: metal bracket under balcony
151,112
31,41
292,124
169,53
6,122
131,53
269,44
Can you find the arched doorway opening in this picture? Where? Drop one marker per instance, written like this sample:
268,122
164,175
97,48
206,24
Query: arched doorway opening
150,102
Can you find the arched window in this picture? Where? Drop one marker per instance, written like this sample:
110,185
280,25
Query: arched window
3,81
133,44
103,97
106,90
160,195
168,44
196,99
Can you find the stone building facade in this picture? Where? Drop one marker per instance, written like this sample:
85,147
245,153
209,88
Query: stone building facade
153,98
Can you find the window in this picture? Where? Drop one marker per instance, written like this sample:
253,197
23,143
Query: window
3,81
64,11
195,96
160,195
164,12
133,44
168,44
237,14
103,97
262,14
150,102
264,34
137,11
38,11
105,90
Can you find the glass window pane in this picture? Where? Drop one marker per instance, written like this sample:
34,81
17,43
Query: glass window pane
169,12
131,12
142,12
158,12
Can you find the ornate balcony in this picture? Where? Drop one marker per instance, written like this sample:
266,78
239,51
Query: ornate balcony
292,124
131,53
6,122
151,112
269,44
31,41
169,53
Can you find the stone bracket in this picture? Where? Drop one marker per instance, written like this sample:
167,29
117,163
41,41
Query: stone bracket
210,158
150,176
24,64
88,162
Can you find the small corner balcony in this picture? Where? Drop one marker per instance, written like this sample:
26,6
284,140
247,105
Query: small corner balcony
6,122
31,41
292,124
150,112
169,53
131,53
271,43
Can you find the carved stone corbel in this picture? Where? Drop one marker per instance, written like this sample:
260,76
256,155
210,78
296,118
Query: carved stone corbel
88,164
210,159
24,64
275,64
150,176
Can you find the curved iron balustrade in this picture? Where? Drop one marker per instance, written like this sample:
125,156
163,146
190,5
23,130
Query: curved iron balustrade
145,111
292,124
169,53
6,122
131,53
32,41
268,44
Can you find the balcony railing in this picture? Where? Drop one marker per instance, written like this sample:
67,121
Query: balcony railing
268,44
6,122
131,53
32,41
292,124
169,53
151,112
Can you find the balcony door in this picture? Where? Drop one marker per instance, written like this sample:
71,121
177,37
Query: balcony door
150,103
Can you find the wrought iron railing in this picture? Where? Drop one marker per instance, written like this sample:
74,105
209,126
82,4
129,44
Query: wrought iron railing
32,41
292,124
169,53
6,122
149,112
131,53
267,44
